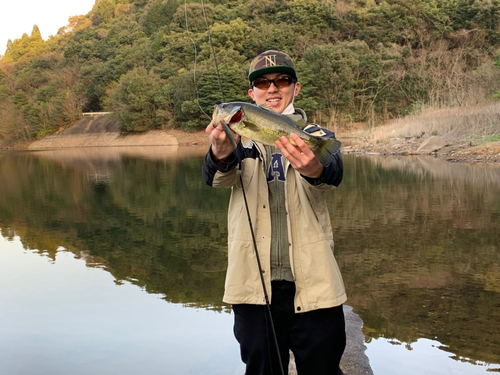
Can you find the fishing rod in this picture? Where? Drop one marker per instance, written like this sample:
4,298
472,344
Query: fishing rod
259,265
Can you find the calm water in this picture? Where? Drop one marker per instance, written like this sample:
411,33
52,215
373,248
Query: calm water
112,261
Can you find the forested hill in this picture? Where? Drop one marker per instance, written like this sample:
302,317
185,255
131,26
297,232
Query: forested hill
150,61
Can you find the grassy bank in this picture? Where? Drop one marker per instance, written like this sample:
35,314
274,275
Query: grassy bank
464,130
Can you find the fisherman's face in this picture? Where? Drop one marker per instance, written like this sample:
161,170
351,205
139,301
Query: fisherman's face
278,98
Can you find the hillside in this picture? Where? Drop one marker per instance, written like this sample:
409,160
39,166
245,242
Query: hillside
156,64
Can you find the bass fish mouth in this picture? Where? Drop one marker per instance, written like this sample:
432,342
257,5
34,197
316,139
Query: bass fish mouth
236,117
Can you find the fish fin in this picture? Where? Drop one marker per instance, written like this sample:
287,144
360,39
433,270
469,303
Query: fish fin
302,120
246,142
298,120
299,117
229,133
267,107
328,147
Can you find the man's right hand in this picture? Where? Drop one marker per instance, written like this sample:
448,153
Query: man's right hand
221,145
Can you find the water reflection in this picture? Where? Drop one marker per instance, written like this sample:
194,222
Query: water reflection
61,317
424,356
419,248
151,221
417,239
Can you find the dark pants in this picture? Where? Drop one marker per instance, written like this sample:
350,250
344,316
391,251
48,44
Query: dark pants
316,338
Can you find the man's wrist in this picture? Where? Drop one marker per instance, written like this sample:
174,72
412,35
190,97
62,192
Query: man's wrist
316,180
223,162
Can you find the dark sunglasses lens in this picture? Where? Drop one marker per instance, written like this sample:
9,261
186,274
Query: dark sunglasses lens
283,81
261,83
264,83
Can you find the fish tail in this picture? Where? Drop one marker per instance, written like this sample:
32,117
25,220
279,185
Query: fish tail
326,149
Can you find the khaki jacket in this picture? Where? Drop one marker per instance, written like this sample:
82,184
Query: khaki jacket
316,273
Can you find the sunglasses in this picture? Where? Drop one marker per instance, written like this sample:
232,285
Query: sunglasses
264,83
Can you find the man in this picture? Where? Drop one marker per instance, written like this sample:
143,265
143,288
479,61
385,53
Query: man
284,186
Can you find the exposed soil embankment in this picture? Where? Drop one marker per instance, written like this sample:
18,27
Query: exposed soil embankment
102,131
93,124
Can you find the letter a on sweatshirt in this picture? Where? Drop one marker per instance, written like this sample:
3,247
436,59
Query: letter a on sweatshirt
276,168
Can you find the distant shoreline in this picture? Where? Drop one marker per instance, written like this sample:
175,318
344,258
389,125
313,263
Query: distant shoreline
102,131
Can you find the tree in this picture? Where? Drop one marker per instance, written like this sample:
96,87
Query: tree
497,64
135,100
103,11
26,46
35,34
159,14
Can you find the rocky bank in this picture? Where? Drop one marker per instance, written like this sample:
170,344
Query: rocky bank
453,151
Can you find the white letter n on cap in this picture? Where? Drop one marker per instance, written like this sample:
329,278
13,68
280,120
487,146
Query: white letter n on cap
270,60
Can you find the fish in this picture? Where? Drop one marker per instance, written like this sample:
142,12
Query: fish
262,124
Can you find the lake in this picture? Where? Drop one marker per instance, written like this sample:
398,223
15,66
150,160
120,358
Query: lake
112,260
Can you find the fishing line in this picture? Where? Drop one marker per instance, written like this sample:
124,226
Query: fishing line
261,272
213,51
195,62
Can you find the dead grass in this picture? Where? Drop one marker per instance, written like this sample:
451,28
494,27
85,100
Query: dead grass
471,134
476,124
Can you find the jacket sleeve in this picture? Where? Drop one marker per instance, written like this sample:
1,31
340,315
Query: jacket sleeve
214,175
333,172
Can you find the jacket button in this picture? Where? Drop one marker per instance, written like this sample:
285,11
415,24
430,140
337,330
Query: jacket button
298,308
264,206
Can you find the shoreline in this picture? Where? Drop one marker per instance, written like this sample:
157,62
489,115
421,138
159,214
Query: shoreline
433,146
486,153
455,153
104,131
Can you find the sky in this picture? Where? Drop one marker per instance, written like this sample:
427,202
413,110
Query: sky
19,16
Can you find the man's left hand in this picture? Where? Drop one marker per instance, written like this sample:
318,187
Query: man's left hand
300,157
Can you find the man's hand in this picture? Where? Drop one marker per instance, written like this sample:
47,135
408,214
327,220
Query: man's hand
221,145
300,157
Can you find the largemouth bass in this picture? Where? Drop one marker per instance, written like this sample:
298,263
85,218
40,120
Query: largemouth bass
261,124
